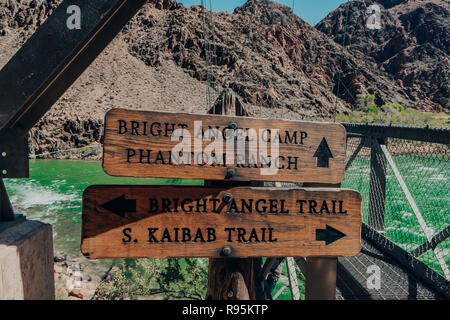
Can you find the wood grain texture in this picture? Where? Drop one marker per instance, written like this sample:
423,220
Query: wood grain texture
297,162
287,233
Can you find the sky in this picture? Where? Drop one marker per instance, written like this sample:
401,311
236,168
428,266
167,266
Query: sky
312,11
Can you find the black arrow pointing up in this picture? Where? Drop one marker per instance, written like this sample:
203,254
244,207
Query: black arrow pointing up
329,235
120,206
323,154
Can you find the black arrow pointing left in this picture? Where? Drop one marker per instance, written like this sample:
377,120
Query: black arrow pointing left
120,205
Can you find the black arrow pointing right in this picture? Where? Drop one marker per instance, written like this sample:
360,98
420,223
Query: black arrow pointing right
329,235
120,206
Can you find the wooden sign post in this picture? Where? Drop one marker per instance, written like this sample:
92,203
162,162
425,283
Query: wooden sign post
228,221
142,144
176,222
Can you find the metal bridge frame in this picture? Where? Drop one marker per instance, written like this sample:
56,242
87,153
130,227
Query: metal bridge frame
376,137
55,56
43,69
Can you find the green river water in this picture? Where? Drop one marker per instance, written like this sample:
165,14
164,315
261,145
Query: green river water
53,194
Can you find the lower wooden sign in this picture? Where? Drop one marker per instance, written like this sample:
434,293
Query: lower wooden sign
176,222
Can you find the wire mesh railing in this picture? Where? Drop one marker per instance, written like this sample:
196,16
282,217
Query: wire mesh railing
408,198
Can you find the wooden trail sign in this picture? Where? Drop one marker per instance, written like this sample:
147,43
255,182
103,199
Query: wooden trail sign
140,144
163,222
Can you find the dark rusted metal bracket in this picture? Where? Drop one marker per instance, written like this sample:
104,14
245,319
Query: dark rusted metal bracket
13,154
6,210
44,68
47,65
18,218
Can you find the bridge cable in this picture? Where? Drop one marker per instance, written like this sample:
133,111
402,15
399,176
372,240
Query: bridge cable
218,85
205,39
341,63
249,41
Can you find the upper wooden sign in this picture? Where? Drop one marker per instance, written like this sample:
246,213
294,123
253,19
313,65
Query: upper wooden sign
164,222
169,145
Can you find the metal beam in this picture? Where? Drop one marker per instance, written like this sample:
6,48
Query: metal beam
424,273
435,135
437,239
6,210
377,183
416,211
321,278
361,144
55,56
321,273
13,154
292,277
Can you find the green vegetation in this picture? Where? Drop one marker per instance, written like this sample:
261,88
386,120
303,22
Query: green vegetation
366,111
155,279
53,195
168,279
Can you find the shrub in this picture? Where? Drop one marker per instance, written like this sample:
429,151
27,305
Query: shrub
155,278
391,113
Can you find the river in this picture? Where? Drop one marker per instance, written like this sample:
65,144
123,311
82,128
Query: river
53,195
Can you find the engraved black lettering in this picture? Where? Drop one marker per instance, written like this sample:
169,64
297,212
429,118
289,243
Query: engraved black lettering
263,234
240,235
186,234
183,206
166,236
283,209
211,234
134,128
253,236
246,207
155,129
303,135
159,158
144,130
201,207
126,233
233,207
198,235
301,203
273,206
312,206
324,208
215,202
229,230
144,154
151,235
175,205
271,239
334,206
122,127
341,207
169,129
292,161
289,139
130,154
165,205
260,209
154,208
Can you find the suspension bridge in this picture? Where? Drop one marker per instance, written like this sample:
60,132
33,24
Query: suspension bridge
402,172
